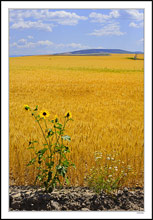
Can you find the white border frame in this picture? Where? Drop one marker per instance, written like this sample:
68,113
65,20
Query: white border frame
147,6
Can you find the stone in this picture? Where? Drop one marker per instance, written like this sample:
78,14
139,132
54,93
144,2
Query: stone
85,209
55,205
125,189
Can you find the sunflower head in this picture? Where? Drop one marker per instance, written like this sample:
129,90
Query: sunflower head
68,115
26,107
44,114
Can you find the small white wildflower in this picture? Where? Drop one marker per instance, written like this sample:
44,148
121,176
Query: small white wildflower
108,158
115,167
110,168
110,176
97,158
112,158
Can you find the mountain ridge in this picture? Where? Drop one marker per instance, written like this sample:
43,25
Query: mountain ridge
88,52
98,51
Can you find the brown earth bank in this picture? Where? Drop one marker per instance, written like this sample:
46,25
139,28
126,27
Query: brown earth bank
32,198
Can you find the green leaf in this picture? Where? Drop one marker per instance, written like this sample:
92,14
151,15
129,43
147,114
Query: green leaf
39,161
30,147
39,177
50,133
59,125
36,108
45,184
42,151
49,175
58,132
31,142
31,162
66,138
66,149
58,167
44,171
67,180
73,165
52,121
61,170
66,163
50,165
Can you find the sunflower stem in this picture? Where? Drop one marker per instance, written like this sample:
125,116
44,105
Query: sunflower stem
40,128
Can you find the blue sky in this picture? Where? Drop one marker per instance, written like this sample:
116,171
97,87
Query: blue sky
45,31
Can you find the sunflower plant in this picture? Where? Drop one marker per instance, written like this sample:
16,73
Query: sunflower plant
52,162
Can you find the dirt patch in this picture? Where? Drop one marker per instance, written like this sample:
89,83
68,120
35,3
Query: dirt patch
74,199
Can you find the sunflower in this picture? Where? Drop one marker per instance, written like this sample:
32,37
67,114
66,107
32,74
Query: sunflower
26,107
44,114
68,115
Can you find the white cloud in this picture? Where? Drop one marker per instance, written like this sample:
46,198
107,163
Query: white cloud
114,14
45,43
60,17
135,14
30,37
22,43
110,29
72,45
141,41
14,44
99,17
77,45
134,25
67,21
22,40
32,24
26,44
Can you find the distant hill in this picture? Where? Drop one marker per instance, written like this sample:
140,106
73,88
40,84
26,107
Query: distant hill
88,52
97,52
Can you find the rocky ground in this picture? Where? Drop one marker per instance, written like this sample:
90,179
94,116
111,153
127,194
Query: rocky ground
29,198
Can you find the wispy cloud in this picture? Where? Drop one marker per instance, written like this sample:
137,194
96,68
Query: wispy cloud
141,41
73,45
101,18
60,17
32,24
30,37
135,14
45,42
109,29
22,40
135,25
23,43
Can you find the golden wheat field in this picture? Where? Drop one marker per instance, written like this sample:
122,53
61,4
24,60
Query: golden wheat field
105,95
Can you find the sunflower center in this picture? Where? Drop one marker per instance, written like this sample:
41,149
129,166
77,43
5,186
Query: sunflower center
68,114
44,113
